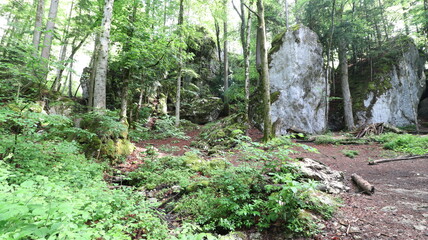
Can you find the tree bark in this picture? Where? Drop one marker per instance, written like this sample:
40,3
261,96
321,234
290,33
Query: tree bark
264,72
100,65
38,26
50,25
225,60
180,66
363,184
63,52
347,101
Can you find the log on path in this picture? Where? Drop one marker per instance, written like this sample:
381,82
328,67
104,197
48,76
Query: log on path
363,184
397,159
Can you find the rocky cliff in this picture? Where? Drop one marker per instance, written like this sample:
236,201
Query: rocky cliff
297,82
388,89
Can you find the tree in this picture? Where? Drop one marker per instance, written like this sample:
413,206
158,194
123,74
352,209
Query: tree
38,26
47,42
245,36
180,65
225,59
264,71
100,65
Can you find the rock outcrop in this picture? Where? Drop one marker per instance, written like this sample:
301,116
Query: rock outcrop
389,89
297,82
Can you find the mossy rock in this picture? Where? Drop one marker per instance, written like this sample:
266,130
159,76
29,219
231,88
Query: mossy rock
114,150
224,132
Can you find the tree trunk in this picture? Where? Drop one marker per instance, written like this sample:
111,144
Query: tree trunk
180,66
347,100
128,71
100,78
264,72
329,71
63,51
217,35
50,25
38,26
225,60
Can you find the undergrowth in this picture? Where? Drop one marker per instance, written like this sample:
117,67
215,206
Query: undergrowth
406,143
50,190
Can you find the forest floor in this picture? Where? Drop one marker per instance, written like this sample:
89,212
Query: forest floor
397,210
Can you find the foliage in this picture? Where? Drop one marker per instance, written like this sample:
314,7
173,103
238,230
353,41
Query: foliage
221,197
405,143
350,153
50,190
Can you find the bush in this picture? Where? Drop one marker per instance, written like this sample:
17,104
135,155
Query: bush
405,143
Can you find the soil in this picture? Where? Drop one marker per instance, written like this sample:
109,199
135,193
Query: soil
397,210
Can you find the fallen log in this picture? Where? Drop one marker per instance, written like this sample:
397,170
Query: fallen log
397,159
363,184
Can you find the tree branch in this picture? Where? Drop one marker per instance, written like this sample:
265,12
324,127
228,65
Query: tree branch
251,10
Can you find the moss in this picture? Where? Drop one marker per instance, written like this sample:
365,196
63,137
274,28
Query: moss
276,44
274,96
223,133
373,75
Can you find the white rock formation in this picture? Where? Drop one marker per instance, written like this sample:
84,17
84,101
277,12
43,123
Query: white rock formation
297,75
398,105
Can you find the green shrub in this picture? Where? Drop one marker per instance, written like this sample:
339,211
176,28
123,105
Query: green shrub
350,153
405,143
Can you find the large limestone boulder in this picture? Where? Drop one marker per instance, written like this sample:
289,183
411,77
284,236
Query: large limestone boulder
389,88
298,82
202,110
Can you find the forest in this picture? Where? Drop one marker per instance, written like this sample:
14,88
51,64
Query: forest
220,119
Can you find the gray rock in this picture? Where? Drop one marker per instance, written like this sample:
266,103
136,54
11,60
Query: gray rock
332,181
297,81
202,110
420,227
393,97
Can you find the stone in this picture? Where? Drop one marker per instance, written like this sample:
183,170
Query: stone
393,93
202,110
420,227
298,87
332,181
389,209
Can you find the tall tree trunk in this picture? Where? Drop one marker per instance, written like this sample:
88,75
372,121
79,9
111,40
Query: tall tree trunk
180,66
217,36
70,80
384,22
347,100
100,78
63,52
329,71
225,60
50,25
38,26
245,34
264,72
128,71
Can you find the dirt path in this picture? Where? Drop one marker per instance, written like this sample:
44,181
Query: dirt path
397,210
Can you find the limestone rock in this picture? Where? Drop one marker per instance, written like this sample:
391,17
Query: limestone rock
331,181
392,94
202,110
297,78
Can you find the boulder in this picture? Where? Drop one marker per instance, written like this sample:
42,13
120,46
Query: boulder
331,181
297,82
388,89
202,110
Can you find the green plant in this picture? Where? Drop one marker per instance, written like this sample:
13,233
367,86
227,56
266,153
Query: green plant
406,143
350,153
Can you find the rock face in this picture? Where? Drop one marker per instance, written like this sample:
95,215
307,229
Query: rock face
393,93
298,82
